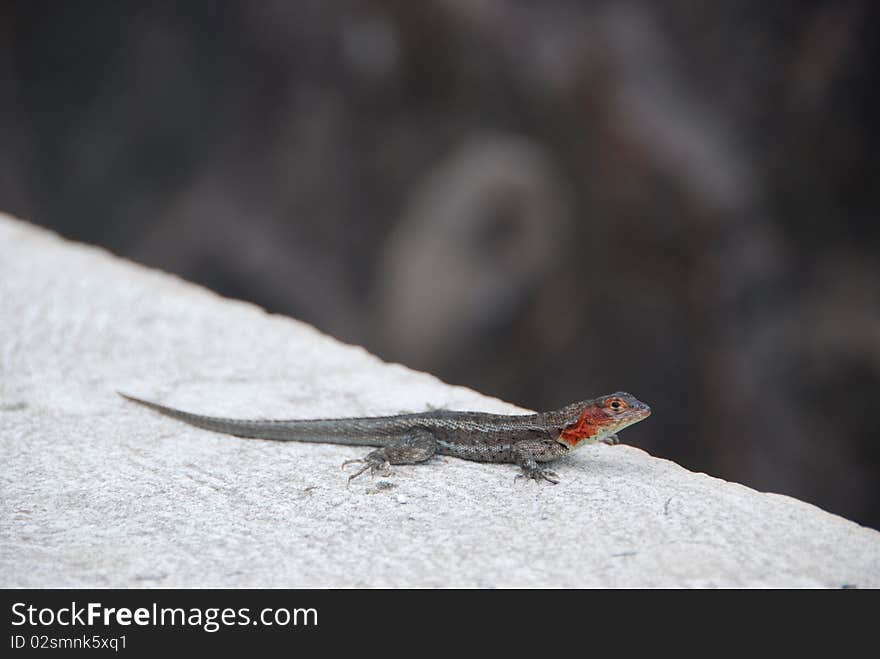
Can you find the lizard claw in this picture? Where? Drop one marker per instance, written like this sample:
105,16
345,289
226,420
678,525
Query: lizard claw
374,464
537,474
611,440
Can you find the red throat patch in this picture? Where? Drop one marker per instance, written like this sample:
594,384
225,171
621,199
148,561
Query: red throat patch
588,425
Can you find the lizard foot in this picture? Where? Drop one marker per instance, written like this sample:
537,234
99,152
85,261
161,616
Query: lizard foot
374,463
538,473
611,440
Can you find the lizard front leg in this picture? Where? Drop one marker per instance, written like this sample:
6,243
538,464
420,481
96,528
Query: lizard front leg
530,452
416,447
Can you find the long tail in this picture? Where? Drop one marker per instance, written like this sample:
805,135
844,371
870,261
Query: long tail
367,431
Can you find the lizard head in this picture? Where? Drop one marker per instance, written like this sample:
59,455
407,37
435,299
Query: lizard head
601,417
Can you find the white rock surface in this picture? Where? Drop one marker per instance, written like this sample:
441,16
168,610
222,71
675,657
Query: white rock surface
96,491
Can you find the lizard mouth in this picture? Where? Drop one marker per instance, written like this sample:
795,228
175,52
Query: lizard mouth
635,415
641,411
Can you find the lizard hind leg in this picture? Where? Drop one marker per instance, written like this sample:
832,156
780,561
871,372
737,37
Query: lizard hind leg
412,449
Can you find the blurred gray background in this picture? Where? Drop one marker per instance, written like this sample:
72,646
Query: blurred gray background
544,201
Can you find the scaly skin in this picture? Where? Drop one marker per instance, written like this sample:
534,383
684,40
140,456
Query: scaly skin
528,440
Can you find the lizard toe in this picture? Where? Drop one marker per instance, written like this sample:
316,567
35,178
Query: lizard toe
538,474
372,463
611,440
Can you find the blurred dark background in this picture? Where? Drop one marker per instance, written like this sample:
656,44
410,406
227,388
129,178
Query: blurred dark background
544,201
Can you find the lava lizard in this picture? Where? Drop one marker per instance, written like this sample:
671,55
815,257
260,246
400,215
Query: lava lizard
527,440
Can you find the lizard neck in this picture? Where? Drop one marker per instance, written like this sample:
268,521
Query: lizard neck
590,428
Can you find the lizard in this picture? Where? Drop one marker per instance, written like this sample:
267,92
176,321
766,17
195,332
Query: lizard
527,440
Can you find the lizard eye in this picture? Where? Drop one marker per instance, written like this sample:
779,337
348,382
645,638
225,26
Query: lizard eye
616,404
